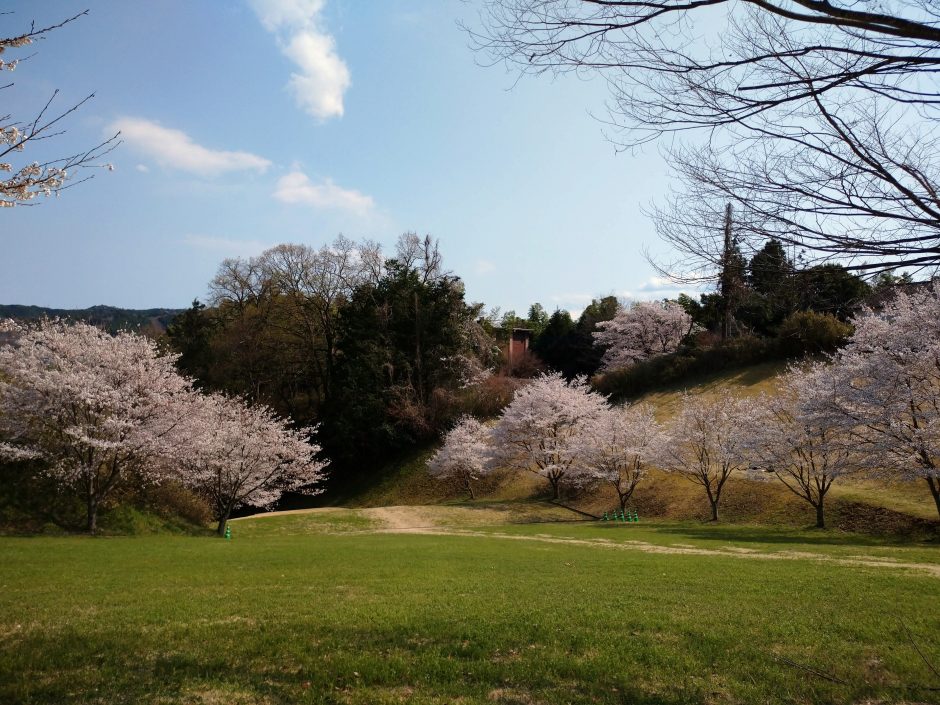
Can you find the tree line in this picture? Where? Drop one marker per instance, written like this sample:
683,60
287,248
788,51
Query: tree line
378,351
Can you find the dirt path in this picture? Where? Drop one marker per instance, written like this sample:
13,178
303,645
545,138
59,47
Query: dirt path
644,547
401,519
439,521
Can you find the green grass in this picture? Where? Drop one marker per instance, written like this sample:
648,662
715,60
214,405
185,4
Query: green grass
318,608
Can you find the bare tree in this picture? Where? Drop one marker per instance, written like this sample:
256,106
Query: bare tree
422,255
23,179
293,292
814,118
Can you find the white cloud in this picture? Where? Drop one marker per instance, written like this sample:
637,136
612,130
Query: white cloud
297,188
276,14
657,288
176,150
323,77
656,284
484,266
225,246
142,168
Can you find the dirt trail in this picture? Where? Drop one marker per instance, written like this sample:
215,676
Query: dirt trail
438,521
411,520
401,518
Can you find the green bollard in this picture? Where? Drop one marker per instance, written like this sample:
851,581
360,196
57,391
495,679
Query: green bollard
228,532
605,517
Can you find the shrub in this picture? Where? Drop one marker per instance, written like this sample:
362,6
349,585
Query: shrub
486,399
811,333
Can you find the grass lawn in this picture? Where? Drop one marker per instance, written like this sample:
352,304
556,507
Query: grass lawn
325,607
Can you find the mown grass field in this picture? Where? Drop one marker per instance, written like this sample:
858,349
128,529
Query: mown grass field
444,605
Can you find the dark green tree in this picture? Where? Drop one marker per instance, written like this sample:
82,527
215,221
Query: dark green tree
404,345
537,319
568,347
830,288
553,345
190,335
770,270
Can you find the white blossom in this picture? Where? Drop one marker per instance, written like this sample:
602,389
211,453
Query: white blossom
91,407
707,442
886,388
538,430
464,454
644,330
618,446
239,455
793,438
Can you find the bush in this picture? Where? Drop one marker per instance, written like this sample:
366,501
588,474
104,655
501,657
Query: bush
811,333
486,399
173,500
31,503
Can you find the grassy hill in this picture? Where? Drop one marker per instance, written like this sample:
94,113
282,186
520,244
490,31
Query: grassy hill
854,505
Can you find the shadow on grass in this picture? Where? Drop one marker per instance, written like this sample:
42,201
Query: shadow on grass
364,665
755,534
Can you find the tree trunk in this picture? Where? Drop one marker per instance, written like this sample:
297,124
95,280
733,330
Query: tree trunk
624,498
418,370
470,490
223,522
714,503
554,481
92,519
820,517
934,484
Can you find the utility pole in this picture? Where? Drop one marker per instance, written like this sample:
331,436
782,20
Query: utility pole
727,276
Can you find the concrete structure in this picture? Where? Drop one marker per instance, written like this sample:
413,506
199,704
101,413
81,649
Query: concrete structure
518,344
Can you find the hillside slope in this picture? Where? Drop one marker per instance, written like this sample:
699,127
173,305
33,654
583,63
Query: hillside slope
858,505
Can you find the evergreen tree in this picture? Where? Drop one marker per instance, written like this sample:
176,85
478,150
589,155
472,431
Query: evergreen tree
403,341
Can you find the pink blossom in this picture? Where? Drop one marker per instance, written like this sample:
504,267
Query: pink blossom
644,330
538,431
464,453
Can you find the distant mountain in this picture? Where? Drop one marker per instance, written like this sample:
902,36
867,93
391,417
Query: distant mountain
110,318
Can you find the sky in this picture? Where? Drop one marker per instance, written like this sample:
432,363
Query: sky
248,123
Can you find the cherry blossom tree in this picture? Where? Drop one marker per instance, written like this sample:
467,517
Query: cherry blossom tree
793,438
538,430
888,389
706,444
464,454
246,455
644,330
617,447
21,182
90,407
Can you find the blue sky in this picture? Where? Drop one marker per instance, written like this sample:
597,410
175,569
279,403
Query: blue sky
247,123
